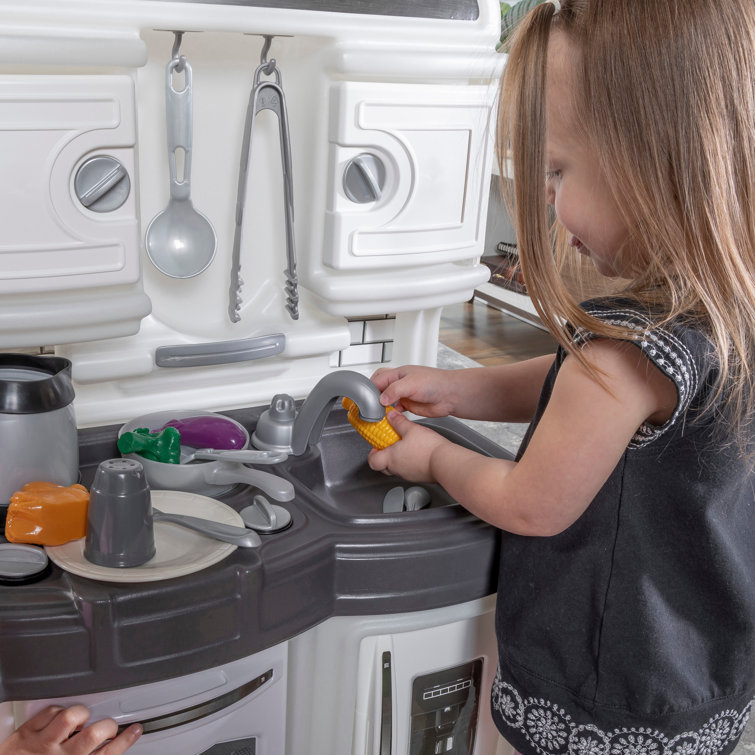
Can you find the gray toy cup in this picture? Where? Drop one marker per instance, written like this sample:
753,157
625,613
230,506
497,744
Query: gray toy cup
119,520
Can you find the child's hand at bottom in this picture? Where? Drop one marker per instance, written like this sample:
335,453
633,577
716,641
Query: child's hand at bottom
62,731
409,457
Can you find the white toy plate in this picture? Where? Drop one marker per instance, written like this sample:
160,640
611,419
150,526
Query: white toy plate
178,550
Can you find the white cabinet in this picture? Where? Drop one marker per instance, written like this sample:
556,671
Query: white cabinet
69,263
426,157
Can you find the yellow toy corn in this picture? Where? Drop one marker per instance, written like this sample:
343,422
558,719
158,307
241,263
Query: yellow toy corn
378,434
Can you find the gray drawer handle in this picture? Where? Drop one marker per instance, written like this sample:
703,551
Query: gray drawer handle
220,352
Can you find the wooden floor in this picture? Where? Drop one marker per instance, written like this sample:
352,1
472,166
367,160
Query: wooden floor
488,336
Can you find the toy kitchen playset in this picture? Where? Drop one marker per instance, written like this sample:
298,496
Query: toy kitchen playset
239,209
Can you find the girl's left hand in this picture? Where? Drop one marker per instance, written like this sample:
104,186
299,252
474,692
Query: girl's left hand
409,457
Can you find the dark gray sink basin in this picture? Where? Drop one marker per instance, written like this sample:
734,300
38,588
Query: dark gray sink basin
333,473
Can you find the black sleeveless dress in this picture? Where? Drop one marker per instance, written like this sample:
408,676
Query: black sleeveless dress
633,631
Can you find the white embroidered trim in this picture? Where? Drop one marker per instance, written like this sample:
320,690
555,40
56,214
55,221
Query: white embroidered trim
551,731
664,349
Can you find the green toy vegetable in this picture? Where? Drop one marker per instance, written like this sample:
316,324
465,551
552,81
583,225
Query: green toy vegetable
164,446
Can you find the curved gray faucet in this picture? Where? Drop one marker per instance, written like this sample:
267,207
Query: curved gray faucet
310,420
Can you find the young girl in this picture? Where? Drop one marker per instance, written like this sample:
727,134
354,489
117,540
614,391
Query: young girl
63,731
626,610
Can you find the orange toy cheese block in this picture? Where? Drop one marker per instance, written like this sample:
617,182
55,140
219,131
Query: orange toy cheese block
378,434
44,513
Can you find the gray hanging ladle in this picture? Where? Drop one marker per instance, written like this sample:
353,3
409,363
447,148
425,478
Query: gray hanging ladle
265,95
180,240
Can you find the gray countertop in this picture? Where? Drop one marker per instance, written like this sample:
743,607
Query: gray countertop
68,634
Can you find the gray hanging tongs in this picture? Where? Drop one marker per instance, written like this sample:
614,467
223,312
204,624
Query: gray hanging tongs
265,95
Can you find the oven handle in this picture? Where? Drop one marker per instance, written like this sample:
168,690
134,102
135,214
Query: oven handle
201,710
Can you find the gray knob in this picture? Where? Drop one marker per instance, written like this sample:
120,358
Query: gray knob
102,184
364,178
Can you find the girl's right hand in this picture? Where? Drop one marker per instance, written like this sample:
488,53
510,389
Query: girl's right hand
63,731
425,391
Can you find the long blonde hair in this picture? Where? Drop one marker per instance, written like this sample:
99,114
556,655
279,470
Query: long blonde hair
667,97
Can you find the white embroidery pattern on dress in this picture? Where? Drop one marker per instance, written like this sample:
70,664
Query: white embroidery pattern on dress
550,730
665,349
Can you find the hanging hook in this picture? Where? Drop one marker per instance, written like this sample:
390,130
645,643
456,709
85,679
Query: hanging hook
269,65
177,37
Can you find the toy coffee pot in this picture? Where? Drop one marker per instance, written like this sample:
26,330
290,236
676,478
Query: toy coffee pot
38,434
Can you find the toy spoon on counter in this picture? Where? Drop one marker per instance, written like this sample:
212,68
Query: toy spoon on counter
227,533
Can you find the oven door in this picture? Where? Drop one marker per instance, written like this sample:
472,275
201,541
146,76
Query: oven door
236,709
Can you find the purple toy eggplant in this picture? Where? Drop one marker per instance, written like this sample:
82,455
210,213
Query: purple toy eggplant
208,432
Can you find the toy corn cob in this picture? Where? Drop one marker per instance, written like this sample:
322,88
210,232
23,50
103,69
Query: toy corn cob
378,434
